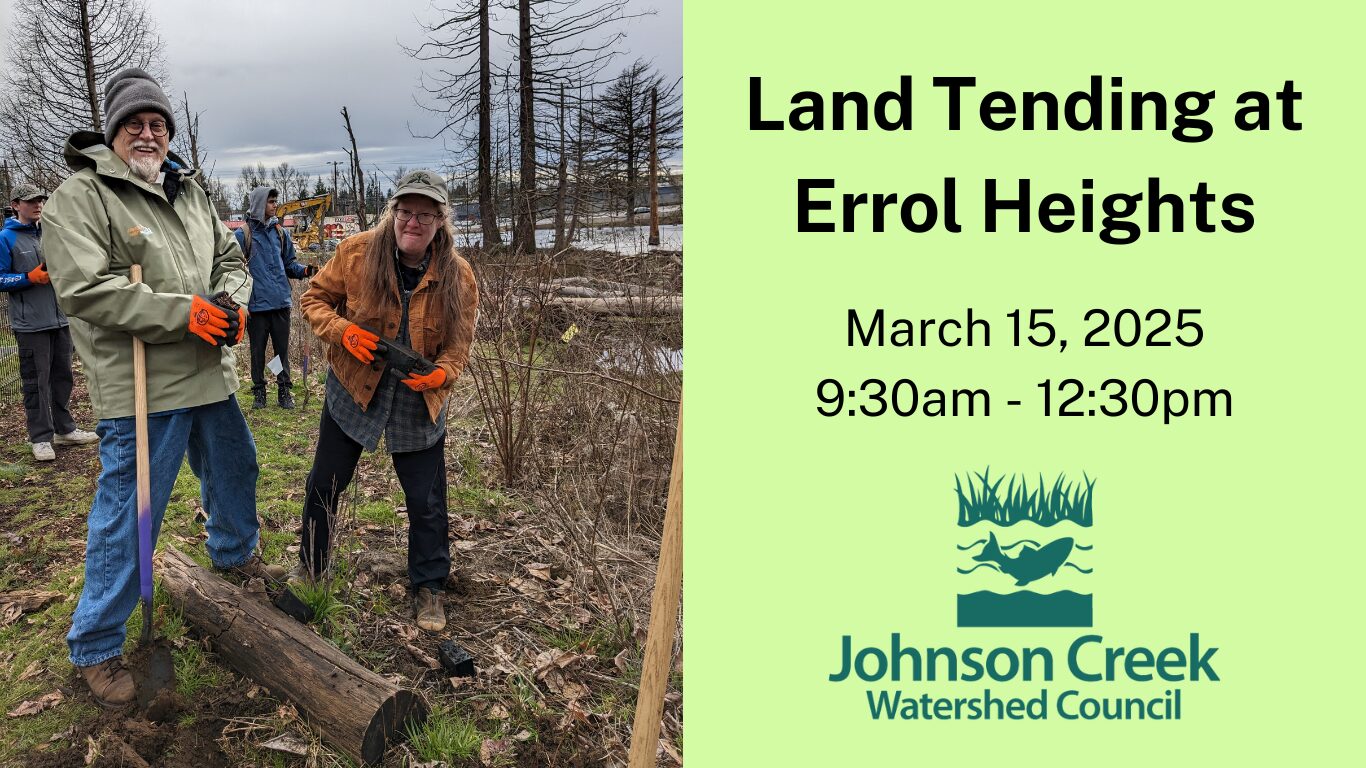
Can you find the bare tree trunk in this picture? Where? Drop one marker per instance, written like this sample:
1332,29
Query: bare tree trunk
512,185
562,188
488,210
578,175
192,129
631,168
88,64
357,175
524,222
654,170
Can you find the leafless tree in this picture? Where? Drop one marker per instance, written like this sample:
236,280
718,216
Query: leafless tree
622,124
218,195
289,182
464,92
357,175
59,55
188,137
560,47
251,177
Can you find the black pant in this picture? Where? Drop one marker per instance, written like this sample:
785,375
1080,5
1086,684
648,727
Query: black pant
423,477
45,367
274,322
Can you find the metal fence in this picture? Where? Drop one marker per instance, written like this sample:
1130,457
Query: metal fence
9,356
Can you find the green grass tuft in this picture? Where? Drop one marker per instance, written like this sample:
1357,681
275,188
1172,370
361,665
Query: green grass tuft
446,736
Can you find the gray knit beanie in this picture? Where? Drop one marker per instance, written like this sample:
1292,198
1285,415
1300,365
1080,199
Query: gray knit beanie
129,92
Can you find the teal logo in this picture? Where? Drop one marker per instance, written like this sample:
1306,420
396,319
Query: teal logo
1025,583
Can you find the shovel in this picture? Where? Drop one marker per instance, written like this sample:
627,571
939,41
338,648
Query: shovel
157,671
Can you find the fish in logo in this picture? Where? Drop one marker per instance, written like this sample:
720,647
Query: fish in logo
1031,564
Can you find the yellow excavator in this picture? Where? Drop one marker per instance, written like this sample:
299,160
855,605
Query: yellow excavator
312,210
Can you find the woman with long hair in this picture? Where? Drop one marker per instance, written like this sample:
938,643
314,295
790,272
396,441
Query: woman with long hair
399,282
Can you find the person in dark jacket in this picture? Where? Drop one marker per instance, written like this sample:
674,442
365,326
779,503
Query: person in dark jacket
40,329
271,259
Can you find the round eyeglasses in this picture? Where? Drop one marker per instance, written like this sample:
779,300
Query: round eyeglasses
134,127
425,219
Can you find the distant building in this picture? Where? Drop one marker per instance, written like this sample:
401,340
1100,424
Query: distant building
468,211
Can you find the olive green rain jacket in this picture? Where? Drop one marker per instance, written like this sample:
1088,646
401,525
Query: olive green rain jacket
98,223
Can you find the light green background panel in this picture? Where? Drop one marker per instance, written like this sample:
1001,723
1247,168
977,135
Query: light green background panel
1243,528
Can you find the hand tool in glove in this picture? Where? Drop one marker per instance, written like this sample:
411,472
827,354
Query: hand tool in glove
402,359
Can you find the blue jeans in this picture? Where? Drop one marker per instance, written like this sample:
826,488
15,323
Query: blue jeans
222,455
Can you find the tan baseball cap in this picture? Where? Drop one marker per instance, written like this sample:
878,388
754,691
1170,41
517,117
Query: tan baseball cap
426,183
28,193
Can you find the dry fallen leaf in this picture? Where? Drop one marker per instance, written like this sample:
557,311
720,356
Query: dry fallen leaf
492,748
9,614
34,669
62,734
539,570
672,751
34,706
575,691
287,742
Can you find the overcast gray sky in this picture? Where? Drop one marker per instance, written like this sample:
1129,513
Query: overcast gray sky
270,78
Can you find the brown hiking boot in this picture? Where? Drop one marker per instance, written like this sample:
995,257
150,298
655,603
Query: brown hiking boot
110,684
256,568
428,608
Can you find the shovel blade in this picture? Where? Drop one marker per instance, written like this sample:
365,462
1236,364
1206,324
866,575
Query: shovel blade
155,672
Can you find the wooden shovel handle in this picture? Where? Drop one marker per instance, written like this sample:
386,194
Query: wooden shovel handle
144,475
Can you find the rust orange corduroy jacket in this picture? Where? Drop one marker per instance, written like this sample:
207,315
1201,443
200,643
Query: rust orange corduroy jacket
331,305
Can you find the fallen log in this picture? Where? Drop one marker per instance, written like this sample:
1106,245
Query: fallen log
352,708
633,306
571,286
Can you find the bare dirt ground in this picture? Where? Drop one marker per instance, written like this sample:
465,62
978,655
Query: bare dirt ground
549,593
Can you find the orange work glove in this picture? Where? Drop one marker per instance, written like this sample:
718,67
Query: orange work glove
360,343
428,381
208,321
38,275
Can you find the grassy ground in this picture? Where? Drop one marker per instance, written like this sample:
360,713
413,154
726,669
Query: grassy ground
557,674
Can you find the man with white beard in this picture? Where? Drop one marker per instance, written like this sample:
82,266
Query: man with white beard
128,201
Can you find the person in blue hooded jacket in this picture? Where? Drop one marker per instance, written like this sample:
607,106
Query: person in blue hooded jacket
271,259
40,329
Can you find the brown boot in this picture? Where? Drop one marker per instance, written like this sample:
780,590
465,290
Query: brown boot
256,568
110,684
428,608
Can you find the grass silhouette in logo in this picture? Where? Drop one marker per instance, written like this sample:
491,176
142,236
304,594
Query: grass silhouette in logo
982,501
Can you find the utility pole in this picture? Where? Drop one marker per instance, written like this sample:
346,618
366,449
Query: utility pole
335,200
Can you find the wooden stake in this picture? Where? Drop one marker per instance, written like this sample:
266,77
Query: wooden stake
654,674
